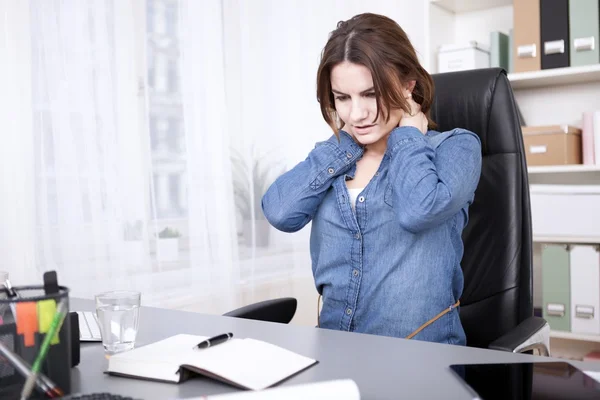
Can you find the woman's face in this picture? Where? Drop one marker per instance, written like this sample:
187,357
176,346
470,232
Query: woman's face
355,102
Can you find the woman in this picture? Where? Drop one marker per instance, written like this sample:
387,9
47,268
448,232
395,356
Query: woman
388,197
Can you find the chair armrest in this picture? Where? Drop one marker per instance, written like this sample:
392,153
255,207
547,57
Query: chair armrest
276,310
533,333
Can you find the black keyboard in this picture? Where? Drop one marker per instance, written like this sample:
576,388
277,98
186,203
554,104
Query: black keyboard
97,396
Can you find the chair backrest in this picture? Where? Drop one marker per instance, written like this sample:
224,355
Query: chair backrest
497,261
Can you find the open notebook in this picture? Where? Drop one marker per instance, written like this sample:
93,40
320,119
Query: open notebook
245,363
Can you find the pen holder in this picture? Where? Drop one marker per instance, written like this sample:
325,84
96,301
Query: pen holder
24,321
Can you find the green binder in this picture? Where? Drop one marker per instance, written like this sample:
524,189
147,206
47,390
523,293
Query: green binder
584,29
511,60
556,286
499,50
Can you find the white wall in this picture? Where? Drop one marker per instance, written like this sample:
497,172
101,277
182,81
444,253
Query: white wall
17,206
441,32
477,25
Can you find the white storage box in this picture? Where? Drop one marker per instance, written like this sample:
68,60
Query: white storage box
460,57
565,210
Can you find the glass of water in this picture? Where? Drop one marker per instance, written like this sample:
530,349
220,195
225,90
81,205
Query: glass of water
118,315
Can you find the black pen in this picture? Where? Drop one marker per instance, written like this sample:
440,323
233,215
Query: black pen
213,341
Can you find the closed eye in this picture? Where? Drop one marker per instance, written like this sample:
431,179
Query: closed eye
370,94
341,98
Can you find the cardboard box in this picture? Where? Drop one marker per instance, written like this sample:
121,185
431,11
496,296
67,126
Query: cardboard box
460,57
552,145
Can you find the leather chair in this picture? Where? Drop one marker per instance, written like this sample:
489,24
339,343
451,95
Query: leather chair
497,302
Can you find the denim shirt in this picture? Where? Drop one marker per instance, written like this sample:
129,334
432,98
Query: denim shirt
393,263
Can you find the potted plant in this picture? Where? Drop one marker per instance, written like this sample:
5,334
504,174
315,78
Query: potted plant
133,236
251,179
167,245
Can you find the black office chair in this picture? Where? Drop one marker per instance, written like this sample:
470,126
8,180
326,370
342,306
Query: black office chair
497,302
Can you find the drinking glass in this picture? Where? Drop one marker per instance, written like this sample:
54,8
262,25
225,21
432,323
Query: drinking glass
118,315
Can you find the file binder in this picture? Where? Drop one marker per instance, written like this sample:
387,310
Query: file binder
499,50
584,29
584,261
554,32
556,287
526,35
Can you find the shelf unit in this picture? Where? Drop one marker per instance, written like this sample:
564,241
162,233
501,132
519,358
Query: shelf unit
545,97
567,239
555,77
575,336
461,6
562,169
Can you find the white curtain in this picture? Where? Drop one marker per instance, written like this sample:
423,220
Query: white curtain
17,200
211,219
133,183
140,135
88,145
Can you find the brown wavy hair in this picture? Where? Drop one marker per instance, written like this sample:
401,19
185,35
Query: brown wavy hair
380,44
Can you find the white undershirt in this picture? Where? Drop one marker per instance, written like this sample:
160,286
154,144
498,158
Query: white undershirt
353,193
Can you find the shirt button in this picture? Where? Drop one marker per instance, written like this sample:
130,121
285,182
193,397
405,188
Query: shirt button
357,235
355,272
348,155
361,199
331,171
348,311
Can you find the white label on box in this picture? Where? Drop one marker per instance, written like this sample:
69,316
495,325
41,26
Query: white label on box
538,149
584,311
557,310
526,51
554,47
584,43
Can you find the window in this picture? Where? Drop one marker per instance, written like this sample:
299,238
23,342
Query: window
166,114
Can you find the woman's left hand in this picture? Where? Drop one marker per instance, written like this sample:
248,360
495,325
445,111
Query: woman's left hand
417,119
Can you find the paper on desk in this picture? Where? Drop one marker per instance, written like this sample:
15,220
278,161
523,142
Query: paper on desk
593,374
344,389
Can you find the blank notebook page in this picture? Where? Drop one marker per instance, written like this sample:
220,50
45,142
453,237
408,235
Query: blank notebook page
250,363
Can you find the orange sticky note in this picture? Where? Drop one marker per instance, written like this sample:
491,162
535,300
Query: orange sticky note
27,322
46,310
